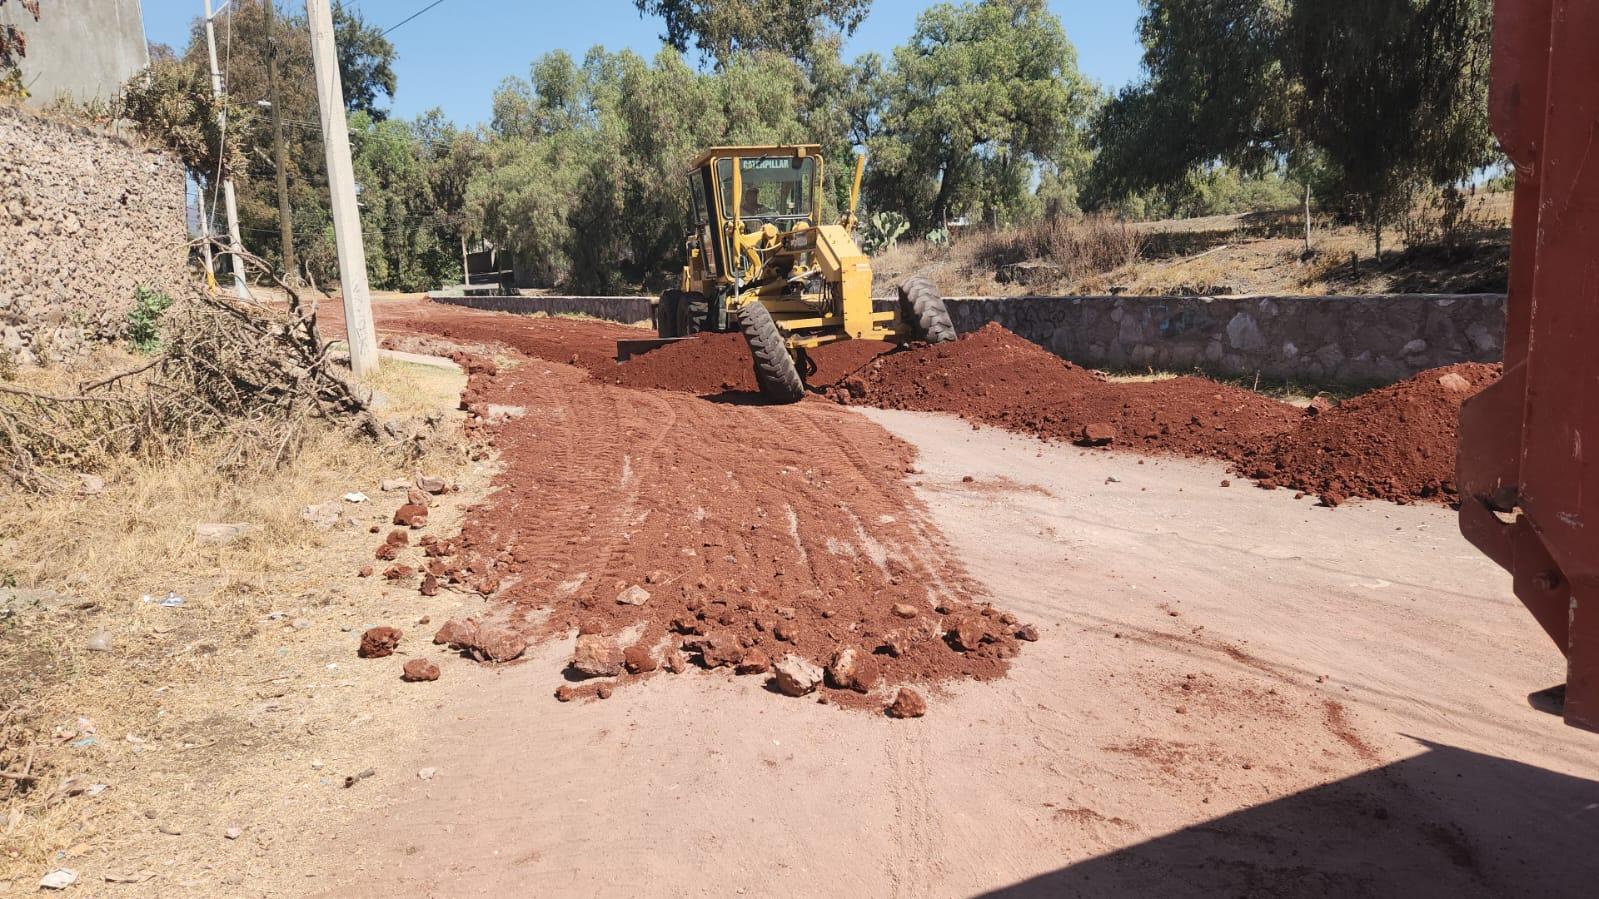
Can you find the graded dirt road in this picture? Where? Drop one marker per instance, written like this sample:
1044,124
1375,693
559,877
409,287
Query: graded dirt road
1234,692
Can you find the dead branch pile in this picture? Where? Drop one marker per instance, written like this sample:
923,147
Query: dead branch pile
230,373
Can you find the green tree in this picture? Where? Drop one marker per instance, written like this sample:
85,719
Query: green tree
719,29
366,62
583,177
1365,99
171,105
980,99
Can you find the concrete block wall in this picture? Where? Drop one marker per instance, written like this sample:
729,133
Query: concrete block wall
85,218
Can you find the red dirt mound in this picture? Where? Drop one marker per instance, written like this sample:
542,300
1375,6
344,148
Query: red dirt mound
1395,443
993,377
716,362
706,364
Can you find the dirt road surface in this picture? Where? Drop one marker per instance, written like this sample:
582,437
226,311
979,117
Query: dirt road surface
1235,692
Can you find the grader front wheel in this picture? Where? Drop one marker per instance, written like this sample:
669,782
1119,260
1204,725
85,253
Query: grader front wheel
775,371
924,310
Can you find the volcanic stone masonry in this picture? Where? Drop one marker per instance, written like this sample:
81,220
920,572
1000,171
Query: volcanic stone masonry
1357,340
85,218
1345,339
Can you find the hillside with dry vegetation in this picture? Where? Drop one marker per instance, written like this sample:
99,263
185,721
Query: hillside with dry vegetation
1246,253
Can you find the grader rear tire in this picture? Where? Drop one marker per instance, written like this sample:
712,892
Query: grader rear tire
666,314
775,371
924,310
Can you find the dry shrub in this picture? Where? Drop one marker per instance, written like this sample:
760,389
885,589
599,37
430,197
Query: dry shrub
238,377
1081,248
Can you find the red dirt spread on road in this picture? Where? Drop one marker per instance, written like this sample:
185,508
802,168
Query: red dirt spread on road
1395,443
993,377
751,531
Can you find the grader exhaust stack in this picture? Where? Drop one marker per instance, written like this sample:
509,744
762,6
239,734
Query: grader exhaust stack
761,261
1529,490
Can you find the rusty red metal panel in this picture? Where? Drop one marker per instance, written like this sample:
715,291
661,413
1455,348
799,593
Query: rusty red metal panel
1530,492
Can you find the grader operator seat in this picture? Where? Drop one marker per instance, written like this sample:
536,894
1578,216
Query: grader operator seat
762,261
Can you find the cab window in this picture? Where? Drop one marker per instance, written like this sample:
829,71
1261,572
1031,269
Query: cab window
775,189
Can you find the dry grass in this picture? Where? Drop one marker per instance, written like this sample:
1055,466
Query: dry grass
1251,253
199,716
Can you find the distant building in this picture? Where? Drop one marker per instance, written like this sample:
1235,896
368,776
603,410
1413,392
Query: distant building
82,49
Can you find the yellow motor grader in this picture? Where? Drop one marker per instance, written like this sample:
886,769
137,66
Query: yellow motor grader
761,261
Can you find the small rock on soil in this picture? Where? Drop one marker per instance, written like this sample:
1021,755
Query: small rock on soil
796,676
597,655
379,641
420,670
907,704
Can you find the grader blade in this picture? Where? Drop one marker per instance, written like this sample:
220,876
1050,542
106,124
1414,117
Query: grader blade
627,349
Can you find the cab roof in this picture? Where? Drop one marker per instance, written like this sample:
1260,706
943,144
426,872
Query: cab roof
757,150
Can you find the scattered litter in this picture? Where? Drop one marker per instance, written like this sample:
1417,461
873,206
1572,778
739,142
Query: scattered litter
136,877
355,497
354,779
427,773
233,833
170,601
84,743
59,879
99,642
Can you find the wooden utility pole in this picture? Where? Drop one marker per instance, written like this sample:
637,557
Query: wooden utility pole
341,184
285,222
235,245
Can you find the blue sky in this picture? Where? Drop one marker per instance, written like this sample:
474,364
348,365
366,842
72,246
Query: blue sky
453,55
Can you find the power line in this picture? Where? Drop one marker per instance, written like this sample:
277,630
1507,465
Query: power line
411,16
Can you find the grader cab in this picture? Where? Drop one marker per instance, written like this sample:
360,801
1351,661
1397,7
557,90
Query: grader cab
761,261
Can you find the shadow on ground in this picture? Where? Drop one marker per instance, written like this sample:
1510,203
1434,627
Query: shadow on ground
1448,822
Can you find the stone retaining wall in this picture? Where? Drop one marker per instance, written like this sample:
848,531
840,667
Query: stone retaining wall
85,218
1358,339
627,310
1354,340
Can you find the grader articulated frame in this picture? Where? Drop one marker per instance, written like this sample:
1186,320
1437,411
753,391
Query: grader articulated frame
1529,487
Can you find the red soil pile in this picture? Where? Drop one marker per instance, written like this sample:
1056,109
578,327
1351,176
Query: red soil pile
706,364
1395,443
712,363
993,377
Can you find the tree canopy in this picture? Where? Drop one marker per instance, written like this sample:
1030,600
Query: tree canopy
1375,96
719,29
980,115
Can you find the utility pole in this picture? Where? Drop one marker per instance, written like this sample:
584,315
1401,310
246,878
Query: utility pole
205,231
235,245
341,184
285,222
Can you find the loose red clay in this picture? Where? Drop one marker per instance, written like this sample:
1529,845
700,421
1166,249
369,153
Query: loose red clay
769,532
1395,443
